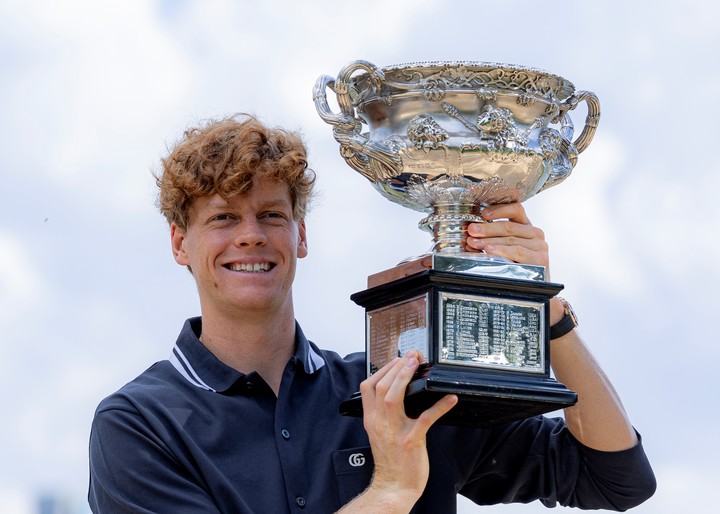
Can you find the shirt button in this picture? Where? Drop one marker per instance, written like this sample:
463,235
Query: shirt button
300,501
286,435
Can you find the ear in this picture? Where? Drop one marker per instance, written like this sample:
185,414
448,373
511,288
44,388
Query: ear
177,238
302,249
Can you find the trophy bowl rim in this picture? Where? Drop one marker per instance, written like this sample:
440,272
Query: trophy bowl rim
564,89
467,62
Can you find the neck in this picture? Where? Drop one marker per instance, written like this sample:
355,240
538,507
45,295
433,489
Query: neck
250,343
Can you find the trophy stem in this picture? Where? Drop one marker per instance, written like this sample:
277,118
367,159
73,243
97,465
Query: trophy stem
448,224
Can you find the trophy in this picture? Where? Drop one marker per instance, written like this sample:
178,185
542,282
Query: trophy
449,139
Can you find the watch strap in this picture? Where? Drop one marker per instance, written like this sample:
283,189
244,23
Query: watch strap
566,324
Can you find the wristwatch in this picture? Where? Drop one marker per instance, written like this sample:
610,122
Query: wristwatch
567,323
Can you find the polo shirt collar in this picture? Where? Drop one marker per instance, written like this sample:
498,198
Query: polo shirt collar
202,369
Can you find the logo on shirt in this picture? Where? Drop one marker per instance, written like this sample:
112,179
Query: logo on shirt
356,460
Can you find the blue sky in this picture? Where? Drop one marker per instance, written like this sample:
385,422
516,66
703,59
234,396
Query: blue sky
92,93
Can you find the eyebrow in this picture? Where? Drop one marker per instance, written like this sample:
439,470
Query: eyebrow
219,203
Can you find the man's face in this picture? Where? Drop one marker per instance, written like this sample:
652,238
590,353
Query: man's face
243,252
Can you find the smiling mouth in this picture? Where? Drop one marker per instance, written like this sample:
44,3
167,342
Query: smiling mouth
258,267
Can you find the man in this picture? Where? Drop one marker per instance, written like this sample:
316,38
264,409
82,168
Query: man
243,417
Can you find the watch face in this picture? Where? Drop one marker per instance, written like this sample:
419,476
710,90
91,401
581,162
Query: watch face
569,311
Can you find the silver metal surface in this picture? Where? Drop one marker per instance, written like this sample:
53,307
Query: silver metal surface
450,138
395,329
485,332
497,267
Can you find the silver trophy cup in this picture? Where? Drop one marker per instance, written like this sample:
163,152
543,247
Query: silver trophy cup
448,139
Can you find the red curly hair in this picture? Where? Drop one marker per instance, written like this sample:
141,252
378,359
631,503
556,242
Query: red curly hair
222,156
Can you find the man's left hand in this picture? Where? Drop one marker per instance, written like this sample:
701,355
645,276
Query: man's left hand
510,235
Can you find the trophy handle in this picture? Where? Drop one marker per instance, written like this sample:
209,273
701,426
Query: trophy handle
591,121
345,122
374,160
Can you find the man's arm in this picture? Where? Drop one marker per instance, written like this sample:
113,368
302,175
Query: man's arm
598,420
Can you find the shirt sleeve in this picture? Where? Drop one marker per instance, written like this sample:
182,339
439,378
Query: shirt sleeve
539,459
132,470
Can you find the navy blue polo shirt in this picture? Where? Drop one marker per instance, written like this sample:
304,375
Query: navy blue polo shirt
193,435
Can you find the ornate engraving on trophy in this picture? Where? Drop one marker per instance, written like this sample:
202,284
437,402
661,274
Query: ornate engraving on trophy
396,329
434,82
492,333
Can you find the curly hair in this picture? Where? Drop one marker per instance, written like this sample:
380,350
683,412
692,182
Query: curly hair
222,156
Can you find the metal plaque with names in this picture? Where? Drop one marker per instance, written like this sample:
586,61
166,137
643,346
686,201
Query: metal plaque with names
396,329
492,333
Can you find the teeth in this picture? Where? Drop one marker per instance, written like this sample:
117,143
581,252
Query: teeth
252,268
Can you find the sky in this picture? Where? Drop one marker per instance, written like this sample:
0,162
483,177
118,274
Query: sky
93,92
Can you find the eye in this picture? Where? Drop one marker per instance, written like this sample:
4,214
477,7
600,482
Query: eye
223,217
273,215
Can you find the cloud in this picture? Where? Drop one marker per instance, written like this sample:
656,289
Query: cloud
17,280
685,487
93,84
16,501
580,225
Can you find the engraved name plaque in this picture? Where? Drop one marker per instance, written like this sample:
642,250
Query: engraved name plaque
492,333
396,329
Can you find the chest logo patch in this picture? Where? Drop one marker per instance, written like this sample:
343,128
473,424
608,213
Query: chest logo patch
356,460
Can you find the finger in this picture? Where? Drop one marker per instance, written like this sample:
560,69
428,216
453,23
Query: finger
519,254
533,245
380,383
512,211
395,392
369,385
504,229
434,413
380,374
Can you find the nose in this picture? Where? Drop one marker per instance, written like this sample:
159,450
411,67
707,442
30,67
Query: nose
250,233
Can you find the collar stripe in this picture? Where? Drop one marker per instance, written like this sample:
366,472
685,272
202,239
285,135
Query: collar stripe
315,361
180,363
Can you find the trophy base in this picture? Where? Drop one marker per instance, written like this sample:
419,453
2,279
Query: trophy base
481,403
485,338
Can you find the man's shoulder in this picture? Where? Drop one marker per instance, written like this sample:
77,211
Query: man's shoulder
352,363
152,386
350,360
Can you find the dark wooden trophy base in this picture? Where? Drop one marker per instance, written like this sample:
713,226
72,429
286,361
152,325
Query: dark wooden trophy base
489,393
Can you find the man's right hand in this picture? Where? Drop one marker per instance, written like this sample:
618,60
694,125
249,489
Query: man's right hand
398,442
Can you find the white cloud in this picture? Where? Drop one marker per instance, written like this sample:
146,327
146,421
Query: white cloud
686,488
580,224
16,501
18,281
673,218
21,294
100,81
